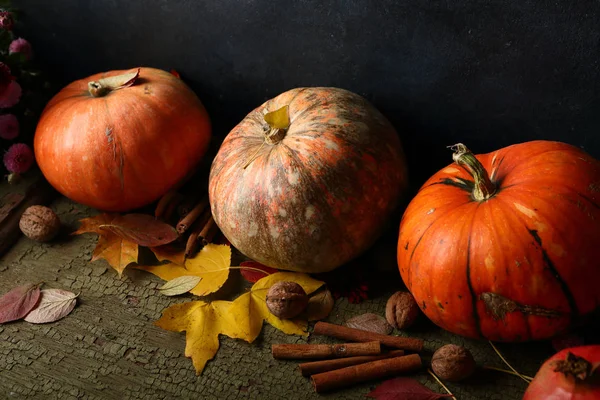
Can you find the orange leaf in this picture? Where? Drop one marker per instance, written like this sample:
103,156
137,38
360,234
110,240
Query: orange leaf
118,252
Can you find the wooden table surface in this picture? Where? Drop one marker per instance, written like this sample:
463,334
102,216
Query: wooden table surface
108,347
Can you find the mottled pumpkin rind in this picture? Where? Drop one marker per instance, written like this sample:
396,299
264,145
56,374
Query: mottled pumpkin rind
318,198
126,149
534,243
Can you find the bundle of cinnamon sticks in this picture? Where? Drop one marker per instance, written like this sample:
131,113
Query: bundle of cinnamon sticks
363,359
193,220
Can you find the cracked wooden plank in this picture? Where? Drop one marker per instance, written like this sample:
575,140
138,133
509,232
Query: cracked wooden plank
108,347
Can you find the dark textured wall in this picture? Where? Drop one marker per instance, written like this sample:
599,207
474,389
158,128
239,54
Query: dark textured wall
486,73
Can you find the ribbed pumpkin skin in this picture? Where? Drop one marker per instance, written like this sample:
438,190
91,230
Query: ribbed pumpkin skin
535,242
319,197
123,150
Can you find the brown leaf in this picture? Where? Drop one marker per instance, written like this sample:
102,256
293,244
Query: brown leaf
370,322
169,253
54,304
320,305
18,302
141,229
120,81
403,388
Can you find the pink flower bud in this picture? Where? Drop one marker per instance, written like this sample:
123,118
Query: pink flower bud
6,20
22,46
18,158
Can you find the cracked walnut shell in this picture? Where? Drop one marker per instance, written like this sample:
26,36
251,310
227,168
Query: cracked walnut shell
286,300
401,310
453,363
39,223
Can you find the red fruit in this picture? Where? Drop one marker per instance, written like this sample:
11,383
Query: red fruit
571,374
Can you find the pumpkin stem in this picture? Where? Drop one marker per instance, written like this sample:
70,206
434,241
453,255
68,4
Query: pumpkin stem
104,86
279,123
484,188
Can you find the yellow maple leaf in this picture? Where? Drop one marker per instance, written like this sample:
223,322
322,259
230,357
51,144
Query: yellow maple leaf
250,309
239,319
211,264
203,322
118,252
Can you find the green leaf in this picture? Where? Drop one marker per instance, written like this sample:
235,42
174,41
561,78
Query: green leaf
180,285
278,119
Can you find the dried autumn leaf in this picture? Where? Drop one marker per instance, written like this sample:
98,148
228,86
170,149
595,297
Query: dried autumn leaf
319,306
18,302
54,304
142,229
279,118
403,388
253,271
118,252
169,253
212,264
250,309
203,322
370,322
179,285
240,319
120,81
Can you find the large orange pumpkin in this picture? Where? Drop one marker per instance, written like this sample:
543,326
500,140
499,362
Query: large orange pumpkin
311,188
506,245
119,140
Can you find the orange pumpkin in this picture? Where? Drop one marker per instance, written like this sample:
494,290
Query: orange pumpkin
119,140
505,246
306,181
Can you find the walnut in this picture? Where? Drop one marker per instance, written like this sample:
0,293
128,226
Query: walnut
39,223
401,310
286,299
453,363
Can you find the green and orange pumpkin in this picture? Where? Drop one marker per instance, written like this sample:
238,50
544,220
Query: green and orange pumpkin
119,140
306,181
506,246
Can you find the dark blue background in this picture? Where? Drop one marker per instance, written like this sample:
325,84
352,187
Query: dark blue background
486,73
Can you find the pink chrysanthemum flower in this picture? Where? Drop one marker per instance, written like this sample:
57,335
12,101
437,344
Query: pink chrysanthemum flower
6,20
22,46
18,158
9,126
11,95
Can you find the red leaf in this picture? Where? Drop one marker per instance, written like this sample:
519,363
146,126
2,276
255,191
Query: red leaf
404,389
18,302
175,73
253,276
141,229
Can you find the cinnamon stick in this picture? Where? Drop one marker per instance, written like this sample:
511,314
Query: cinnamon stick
208,232
344,377
167,205
357,335
297,351
317,367
184,224
195,239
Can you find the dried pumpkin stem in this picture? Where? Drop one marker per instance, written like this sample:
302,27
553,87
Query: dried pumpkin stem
484,188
